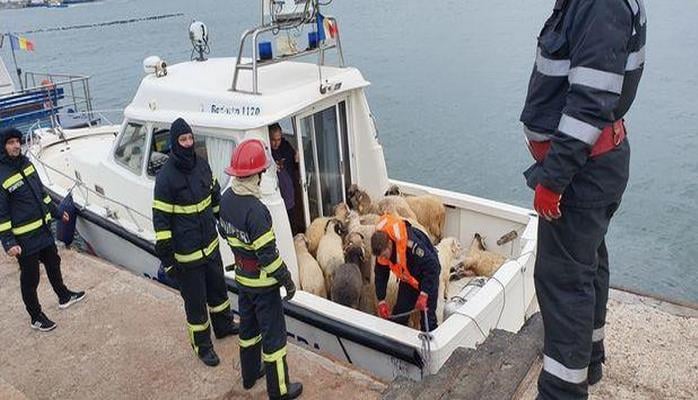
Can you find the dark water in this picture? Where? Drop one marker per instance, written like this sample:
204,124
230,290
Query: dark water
449,79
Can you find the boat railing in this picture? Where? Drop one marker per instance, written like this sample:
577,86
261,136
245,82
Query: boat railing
47,97
93,118
88,192
255,63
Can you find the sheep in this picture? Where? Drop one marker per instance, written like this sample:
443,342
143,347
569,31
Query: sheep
430,212
360,201
369,219
315,232
428,209
347,281
449,249
396,205
355,240
346,285
330,252
311,277
479,261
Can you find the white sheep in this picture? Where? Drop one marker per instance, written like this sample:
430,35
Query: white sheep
311,277
481,261
449,250
315,232
330,252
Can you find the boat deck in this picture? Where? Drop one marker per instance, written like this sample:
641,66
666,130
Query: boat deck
127,340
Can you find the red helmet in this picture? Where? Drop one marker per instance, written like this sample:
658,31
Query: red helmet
249,158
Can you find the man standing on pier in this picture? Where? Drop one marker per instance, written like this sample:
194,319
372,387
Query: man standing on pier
587,70
185,209
25,215
259,273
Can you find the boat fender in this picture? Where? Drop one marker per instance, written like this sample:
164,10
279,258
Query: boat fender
65,231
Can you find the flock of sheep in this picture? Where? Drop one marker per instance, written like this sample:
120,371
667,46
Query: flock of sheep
335,260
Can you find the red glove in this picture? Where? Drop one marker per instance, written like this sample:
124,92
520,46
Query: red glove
421,303
383,310
547,203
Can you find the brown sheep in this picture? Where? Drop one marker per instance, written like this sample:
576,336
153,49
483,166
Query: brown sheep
429,210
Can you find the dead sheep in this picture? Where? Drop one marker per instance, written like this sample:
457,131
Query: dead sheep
311,277
330,250
479,261
449,250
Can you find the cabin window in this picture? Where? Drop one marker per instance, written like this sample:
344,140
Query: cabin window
215,150
327,172
129,152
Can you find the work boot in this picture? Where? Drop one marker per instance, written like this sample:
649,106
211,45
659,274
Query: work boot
42,323
249,385
595,373
72,298
231,329
209,357
294,390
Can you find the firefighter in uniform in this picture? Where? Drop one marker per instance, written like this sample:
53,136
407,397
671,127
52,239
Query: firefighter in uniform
185,208
259,272
408,253
25,231
589,62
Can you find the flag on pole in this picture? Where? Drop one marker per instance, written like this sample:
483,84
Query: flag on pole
326,28
21,43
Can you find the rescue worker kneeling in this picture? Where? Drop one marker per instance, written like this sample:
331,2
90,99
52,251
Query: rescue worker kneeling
185,208
408,253
259,272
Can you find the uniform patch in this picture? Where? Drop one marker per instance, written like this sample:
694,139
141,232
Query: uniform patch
16,186
418,251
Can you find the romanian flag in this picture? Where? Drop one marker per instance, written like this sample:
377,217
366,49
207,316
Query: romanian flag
326,28
21,43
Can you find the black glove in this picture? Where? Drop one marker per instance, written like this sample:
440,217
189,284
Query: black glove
287,281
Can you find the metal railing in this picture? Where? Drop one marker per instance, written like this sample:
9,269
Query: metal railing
85,191
75,92
255,63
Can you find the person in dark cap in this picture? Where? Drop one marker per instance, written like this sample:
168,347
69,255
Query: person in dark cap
185,210
25,216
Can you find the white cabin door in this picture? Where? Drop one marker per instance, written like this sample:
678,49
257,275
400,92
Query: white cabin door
322,143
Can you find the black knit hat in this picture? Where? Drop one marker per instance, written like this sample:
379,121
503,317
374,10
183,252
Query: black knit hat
179,127
9,133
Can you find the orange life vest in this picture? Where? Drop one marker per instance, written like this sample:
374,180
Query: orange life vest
396,229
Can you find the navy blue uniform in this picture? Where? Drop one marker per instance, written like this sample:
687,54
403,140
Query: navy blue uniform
185,208
259,272
589,63
25,217
423,264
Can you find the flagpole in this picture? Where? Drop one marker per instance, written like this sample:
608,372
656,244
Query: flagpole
14,58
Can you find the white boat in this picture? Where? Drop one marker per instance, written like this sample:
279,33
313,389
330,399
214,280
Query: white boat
324,112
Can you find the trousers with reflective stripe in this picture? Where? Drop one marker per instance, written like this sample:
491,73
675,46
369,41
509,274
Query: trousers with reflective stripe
205,294
571,279
263,330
